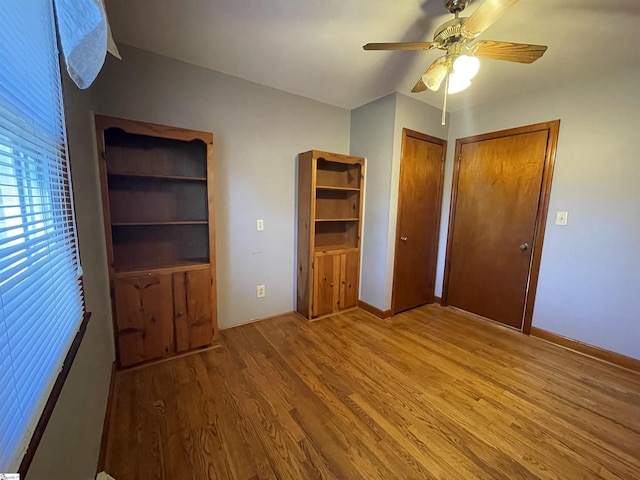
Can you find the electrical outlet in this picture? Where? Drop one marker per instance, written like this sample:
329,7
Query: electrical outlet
103,476
260,224
260,292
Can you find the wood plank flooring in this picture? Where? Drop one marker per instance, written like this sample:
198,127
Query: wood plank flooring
431,394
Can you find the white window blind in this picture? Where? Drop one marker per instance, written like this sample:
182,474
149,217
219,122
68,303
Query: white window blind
41,300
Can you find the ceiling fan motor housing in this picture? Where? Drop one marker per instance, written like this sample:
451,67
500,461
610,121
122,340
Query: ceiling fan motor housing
449,33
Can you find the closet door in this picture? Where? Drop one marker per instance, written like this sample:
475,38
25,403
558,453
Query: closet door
418,228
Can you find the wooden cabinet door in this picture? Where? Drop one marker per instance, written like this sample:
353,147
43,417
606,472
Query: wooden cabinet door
349,270
326,280
144,317
192,309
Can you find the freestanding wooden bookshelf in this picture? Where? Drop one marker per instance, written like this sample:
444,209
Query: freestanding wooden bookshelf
157,196
330,188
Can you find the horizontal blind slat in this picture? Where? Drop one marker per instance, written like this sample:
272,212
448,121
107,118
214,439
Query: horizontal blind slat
45,265
46,288
20,253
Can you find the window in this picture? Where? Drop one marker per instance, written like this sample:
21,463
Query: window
41,300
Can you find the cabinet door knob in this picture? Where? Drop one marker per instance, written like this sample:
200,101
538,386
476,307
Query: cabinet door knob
404,239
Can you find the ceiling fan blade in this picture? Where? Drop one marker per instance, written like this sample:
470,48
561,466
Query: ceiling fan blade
509,52
419,87
401,46
485,15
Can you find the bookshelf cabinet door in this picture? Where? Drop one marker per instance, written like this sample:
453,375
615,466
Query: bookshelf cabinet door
144,308
192,307
349,269
326,282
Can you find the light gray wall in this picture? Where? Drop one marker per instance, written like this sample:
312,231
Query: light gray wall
258,131
376,133
71,442
372,137
420,117
589,281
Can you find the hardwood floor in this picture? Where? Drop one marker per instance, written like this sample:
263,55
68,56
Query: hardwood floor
432,393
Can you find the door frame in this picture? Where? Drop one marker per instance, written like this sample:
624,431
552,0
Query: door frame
553,127
439,141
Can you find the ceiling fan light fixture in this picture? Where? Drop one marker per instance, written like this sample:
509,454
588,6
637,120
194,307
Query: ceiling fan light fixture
434,76
457,38
466,67
457,83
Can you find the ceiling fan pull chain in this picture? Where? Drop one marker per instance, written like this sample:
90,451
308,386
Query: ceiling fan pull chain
446,94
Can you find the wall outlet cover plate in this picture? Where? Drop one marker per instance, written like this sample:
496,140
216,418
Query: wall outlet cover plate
104,476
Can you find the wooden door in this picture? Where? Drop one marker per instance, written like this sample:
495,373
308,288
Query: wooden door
499,203
349,270
144,317
326,291
418,225
192,309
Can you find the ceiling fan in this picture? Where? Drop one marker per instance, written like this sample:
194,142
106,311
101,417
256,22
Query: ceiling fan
460,63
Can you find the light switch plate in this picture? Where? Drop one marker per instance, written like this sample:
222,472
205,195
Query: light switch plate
260,224
561,218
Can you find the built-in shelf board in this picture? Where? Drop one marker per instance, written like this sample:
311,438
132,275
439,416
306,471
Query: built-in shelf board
343,189
334,249
159,267
144,176
150,224
336,219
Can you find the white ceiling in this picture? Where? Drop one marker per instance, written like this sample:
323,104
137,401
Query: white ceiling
313,48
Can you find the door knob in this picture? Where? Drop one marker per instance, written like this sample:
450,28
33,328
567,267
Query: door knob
404,239
524,246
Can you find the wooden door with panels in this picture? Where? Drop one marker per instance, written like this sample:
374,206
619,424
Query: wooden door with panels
418,225
500,196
